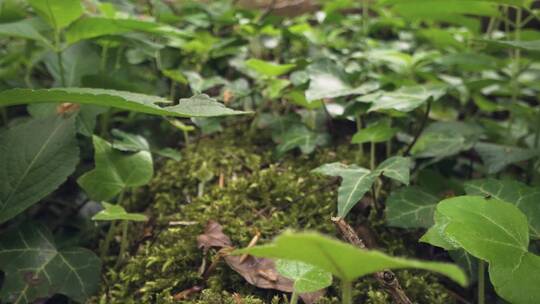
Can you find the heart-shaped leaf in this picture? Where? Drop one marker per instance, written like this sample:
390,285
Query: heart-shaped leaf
376,132
36,157
404,99
526,198
411,207
306,277
269,69
496,232
341,259
497,157
115,171
117,213
397,168
35,268
58,13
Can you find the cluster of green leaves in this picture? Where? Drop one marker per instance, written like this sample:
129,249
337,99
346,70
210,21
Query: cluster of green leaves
437,91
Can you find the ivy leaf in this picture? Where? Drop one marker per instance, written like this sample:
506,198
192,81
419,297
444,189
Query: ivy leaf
496,232
300,136
93,27
497,157
443,139
306,277
405,99
328,81
396,168
36,157
527,45
196,106
341,259
411,207
526,198
376,132
25,29
58,13
269,69
128,142
115,171
117,213
355,182
35,268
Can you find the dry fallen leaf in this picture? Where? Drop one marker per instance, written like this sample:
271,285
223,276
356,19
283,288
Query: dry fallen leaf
259,272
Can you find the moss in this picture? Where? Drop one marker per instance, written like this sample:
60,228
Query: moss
245,192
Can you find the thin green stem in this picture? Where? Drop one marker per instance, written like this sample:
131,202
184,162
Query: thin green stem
365,16
358,129
294,298
346,292
104,248
104,57
372,156
124,242
481,282
186,137
58,51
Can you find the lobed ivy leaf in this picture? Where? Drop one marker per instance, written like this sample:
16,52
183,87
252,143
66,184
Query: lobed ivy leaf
411,207
269,69
115,171
58,13
496,232
328,81
341,259
36,157
405,99
306,277
198,105
128,142
117,213
526,198
443,139
357,181
35,268
300,136
25,29
377,132
497,157
93,27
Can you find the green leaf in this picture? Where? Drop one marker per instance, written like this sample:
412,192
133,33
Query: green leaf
35,268
85,117
355,182
343,260
397,168
58,13
497,157
522,196
300,137
376,132
527,45
496,232
306,277
115,171
36,157
169,153
443,139
117,213
410,207
128,142
198,105
328,81
25,29
405,99
269,69
93,27
78,61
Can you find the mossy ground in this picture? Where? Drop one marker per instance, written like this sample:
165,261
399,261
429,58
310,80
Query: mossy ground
245,190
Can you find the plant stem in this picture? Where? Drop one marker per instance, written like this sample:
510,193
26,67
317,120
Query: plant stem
420,129
365,16
372,156
481,282
124,242
294,298
358,129
58,51
104,248
346,292
104,55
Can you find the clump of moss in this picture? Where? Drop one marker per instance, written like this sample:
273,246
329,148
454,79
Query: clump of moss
245,192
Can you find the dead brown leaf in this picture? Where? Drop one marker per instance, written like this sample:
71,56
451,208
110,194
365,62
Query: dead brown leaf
213,236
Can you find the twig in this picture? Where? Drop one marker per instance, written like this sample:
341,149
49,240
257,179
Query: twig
386,278
420,130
